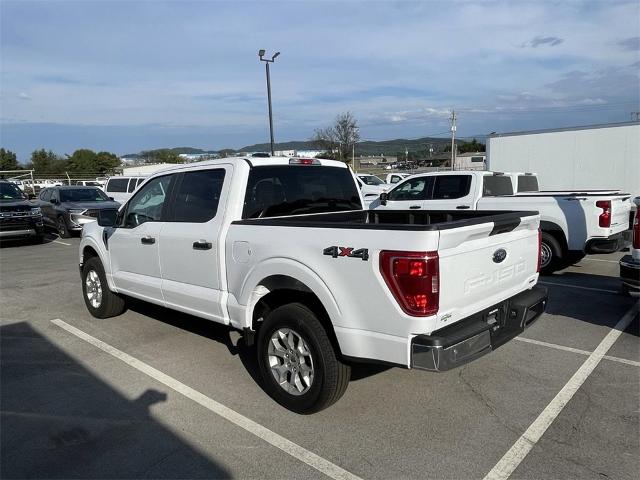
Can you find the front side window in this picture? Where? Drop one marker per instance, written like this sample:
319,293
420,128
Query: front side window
197,196
132,185
414,189
117,185
147,204
451,186
296,190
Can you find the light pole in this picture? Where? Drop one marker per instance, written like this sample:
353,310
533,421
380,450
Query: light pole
267,62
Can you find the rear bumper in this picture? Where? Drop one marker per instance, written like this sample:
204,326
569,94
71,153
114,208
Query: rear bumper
611,244
630,272
479,334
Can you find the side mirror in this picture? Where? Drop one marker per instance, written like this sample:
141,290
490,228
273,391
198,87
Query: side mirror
107,217
54,201
112,199
384,196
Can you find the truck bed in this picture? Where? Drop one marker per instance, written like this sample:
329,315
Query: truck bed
422,220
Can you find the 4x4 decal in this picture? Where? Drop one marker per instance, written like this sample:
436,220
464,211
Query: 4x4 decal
336,252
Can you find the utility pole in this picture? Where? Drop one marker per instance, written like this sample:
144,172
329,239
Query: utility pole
453,139
267,62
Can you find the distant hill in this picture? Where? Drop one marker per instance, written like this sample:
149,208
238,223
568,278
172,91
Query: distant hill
367,147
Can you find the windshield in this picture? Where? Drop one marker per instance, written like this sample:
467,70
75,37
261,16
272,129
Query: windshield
82,195
8,191
294,190
371,180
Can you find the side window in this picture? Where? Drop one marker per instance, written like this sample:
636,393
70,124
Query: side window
117,185
197,196
45,195
54,194
132,185
451,186
495,185
140,180
527,183
395,179
414,189
146,205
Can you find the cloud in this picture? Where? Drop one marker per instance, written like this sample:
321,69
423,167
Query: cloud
630,44
537,41
23,96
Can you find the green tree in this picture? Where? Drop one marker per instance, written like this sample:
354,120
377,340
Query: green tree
8,160
47,162
161,155
106,162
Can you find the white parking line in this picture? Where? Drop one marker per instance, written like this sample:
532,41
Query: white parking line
61,243
600,260
578,286
577,350
325,466
510,461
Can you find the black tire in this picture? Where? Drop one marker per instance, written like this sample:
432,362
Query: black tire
37,240
330,375
61,228
551,252
110,304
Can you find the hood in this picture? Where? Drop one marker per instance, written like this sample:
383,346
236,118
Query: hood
16,205
91,205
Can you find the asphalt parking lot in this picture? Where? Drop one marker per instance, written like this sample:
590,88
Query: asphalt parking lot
156,393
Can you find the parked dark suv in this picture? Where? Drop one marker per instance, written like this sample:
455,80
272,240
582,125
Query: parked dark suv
19,218
68,208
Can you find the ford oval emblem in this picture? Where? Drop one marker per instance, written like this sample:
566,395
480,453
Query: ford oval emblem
499,255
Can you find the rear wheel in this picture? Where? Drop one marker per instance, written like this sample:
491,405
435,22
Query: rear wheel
100,301
550,253
298,364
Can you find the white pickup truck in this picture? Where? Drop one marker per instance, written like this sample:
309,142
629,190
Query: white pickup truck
572,223
281,249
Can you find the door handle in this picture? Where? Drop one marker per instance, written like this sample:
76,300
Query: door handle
414,207
202,245
462,207
147,240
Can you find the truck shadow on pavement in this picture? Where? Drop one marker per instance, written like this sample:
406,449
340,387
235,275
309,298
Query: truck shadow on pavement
225,335
591,306
61,421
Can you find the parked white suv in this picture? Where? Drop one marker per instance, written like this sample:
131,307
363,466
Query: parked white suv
281,249
120,188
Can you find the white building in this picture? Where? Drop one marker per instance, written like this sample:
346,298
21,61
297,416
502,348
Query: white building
145,169
591,157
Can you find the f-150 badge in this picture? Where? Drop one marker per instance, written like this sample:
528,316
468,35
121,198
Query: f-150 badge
336,252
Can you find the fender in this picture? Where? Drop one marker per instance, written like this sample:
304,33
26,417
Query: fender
98,246
252,290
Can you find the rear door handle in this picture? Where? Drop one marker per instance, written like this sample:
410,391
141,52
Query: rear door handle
413,207
202,245
463,207
147,240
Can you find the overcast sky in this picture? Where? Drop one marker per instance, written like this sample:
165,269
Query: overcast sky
132,75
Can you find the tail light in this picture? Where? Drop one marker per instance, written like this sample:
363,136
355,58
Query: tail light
636,229
413,278
605,217
539,250
304,161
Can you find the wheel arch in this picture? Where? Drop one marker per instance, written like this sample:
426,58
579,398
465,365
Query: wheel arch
556,232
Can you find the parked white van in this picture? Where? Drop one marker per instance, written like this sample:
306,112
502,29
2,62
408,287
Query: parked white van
120,188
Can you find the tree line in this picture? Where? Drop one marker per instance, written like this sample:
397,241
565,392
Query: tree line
46,162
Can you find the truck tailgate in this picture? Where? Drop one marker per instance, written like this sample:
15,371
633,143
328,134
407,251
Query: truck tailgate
620,209
482,265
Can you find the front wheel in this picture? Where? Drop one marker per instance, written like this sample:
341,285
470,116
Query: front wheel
61,227
100,301
298,364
